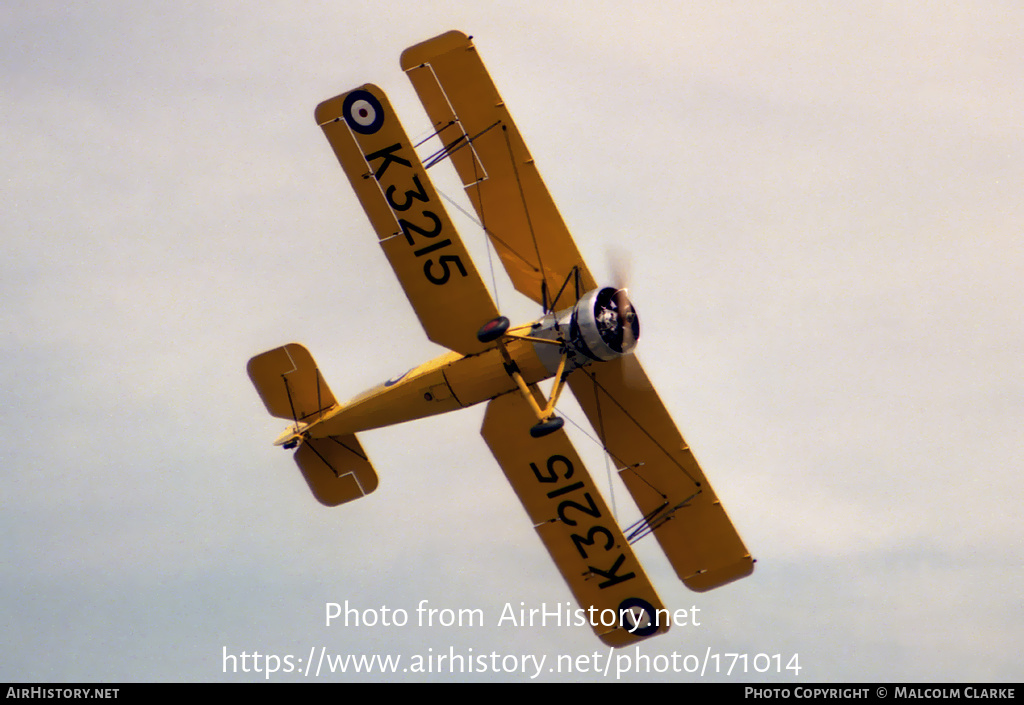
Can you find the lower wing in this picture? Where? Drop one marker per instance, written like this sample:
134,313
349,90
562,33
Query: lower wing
576,527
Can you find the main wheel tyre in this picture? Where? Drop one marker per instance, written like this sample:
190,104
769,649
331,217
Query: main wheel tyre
492,330
545,427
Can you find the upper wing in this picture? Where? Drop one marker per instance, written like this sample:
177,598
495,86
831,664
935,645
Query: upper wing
415,232
573,522
661,473
496,168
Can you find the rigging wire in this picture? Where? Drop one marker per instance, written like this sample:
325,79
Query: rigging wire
526,209
483,226
640,426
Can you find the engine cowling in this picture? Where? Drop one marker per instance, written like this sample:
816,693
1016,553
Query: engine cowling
604,324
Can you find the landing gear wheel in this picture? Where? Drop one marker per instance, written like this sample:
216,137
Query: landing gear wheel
493,330
545,427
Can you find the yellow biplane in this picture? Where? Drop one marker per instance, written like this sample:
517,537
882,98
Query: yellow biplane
584,339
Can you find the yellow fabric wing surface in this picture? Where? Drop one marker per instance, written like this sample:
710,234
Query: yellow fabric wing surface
661,473
572,520
414,229
496,168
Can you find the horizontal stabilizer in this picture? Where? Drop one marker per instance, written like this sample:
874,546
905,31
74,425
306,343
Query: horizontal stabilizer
336,469
289,383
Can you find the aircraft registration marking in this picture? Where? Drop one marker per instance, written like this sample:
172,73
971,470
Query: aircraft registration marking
399,176
421,231
572,512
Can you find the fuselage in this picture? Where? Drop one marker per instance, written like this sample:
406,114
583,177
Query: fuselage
600,326
449,382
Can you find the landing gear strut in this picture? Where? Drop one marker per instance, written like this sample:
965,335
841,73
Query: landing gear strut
547,422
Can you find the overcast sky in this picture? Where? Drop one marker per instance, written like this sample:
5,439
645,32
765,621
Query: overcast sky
821,213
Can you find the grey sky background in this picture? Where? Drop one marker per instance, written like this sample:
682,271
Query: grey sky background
821,212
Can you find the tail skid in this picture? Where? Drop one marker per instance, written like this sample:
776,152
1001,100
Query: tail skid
289,383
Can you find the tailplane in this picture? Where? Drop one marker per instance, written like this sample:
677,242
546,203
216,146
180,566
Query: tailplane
336,469
289,383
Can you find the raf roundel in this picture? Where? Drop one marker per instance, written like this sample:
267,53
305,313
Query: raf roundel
363,112
630,604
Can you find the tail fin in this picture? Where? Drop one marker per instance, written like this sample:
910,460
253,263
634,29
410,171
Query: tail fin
289,383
